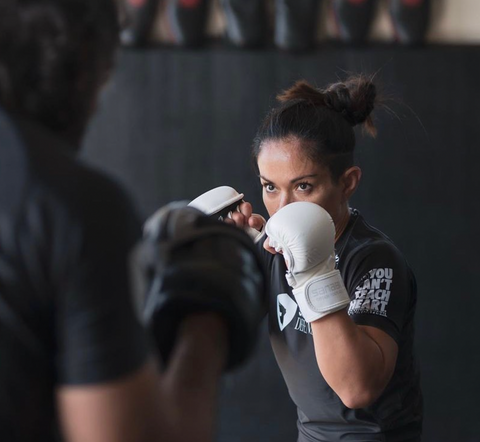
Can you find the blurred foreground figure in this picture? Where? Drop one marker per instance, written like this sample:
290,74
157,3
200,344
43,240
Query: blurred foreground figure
76,362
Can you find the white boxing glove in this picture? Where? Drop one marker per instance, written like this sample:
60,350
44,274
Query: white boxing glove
305,234
221,202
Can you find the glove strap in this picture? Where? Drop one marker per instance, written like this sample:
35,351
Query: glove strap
321,296
255,234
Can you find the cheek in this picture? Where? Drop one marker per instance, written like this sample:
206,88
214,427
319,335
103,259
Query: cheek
322,197
327,198
268,203
332,204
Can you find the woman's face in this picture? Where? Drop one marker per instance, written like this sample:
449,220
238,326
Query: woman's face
287,175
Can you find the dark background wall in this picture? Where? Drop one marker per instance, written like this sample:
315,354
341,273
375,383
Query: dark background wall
173,124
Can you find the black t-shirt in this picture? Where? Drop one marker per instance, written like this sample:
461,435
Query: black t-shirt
382,288
66,315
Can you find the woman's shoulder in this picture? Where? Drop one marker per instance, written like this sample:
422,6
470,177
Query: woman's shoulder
366,248
361,237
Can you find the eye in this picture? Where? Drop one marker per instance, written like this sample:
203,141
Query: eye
304,187
269,187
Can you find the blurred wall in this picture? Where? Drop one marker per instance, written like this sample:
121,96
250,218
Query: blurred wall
453,21
173,124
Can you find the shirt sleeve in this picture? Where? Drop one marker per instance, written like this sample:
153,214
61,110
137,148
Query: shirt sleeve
99,337
380,285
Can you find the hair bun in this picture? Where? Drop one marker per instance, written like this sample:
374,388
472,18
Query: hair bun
354,99
302,90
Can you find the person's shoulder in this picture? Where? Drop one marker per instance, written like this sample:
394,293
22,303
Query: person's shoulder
365,239
367,248
58,176
13,165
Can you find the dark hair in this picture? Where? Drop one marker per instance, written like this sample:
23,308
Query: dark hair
54,55
323,119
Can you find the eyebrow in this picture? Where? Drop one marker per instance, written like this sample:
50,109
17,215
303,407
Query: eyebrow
313,175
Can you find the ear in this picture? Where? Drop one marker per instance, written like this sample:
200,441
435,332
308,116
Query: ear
349,181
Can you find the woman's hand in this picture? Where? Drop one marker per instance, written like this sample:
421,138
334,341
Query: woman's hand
244,218
268,248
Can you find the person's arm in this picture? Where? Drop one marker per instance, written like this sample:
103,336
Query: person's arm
190,386
177,405
356,361
209,272
109,388
356,354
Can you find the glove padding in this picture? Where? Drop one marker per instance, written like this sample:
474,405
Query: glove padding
191,263
220,202
305,234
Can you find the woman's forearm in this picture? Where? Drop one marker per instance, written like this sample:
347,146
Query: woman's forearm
353,361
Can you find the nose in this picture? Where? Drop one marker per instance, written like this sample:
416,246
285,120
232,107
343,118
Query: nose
285,198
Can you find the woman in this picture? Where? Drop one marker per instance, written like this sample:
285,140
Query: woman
350,371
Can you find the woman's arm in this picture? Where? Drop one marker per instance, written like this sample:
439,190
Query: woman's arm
356,361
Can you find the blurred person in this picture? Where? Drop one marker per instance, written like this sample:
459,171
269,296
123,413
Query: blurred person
75,362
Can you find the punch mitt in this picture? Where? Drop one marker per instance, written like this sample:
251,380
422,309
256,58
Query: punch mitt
188,263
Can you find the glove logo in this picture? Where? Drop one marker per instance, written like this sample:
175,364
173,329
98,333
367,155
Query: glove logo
286,310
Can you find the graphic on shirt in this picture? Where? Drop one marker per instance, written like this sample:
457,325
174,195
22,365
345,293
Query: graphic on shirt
286,310
373,293
303,326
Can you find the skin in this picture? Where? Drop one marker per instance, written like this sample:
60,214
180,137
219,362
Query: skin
151,406
356,361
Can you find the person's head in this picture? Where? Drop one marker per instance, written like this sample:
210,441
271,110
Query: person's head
304,148
54,57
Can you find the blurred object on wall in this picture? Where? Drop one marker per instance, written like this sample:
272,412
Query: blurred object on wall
353,19
187,22
447,21
296,24
410,19
246,22
137,18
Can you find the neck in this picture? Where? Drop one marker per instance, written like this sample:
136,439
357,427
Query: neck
341,223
